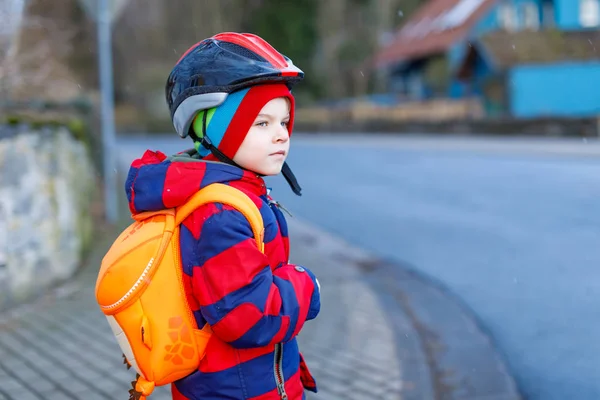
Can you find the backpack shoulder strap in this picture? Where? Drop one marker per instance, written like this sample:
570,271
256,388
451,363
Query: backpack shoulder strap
225,194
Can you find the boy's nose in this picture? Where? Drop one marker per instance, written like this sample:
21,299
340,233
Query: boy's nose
282,134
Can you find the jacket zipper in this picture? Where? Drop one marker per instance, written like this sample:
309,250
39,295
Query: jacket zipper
281,207
278,369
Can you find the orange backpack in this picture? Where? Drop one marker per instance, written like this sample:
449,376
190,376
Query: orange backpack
140,291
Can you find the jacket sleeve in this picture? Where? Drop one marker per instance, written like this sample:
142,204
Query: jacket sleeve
242,299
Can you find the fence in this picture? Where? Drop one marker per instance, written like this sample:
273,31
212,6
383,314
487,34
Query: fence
435,110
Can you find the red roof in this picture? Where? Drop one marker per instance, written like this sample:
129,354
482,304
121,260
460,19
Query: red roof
433,28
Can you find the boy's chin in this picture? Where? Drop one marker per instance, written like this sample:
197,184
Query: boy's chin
270,170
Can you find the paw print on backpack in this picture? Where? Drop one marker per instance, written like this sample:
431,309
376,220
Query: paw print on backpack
181,342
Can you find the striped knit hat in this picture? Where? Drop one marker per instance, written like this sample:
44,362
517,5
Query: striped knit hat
228,124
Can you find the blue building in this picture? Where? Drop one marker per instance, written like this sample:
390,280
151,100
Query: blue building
525,58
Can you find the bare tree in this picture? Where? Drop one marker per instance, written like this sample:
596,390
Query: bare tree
11,17
150,37
33,66
331,19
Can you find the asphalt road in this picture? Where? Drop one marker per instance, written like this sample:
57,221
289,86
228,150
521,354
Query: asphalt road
512,227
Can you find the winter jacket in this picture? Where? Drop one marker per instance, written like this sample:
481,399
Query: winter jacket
256,303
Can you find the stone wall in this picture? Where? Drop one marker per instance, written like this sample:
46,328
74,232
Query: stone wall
47,184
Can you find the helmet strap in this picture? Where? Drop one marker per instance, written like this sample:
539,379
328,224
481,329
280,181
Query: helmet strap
291,179
207,143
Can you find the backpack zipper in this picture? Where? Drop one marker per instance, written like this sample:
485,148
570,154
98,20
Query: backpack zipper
278,369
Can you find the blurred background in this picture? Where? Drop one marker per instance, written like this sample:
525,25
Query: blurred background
457,139
455,60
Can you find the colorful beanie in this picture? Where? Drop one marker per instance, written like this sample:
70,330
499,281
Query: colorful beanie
228,124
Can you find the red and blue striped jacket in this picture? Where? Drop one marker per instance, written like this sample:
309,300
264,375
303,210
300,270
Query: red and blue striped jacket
255,303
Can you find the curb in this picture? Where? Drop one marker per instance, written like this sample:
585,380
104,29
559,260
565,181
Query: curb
464,363
460,356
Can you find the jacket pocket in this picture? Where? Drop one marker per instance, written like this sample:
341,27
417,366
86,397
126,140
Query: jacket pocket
308,381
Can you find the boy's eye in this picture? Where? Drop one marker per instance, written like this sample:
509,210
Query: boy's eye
285,123
262,123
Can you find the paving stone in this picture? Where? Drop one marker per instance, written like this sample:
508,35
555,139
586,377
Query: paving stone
351,348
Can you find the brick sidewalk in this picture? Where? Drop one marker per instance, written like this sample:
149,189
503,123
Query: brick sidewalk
61,347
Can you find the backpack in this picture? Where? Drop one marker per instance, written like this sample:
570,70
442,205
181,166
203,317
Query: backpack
140,291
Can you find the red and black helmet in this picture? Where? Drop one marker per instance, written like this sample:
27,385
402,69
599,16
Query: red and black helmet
211,69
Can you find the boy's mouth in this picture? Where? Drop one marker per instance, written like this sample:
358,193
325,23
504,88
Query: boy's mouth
278,153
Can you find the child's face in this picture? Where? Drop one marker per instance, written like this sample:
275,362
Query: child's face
267,143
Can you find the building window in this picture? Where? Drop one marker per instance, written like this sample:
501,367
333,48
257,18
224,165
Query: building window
415,86
531,16
507,17
548,13
589,13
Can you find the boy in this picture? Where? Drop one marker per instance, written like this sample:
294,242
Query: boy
230,94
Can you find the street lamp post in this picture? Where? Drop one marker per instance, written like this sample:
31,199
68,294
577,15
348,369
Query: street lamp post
107,112
105,12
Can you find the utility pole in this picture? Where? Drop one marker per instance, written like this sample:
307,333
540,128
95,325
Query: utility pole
107,103
105,12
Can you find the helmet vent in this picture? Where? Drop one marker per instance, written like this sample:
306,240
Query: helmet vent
237,49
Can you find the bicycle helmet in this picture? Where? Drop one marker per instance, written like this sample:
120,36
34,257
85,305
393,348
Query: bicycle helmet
215,67
212,69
